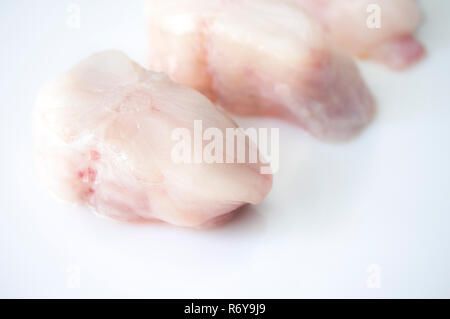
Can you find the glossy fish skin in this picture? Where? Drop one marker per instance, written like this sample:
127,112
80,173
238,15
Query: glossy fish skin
392,44
261,58
103,138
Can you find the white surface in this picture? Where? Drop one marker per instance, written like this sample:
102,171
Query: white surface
334,210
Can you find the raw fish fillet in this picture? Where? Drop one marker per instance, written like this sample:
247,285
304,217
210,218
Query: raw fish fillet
103,138
263,58
393,43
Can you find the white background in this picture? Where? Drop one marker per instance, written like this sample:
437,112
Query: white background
334,210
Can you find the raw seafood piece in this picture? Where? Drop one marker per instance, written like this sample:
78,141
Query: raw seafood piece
381,30
103,138
261,57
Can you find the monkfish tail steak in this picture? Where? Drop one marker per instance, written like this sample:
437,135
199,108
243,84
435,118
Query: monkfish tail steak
104,137
379,30
263,58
